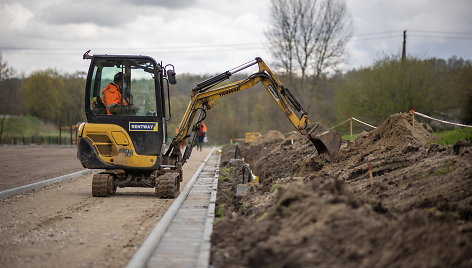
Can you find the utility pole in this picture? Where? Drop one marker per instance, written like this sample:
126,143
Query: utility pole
404,47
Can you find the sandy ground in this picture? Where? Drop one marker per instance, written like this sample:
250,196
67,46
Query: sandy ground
22,165
62,225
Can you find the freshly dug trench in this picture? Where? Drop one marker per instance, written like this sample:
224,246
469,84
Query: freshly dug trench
322,210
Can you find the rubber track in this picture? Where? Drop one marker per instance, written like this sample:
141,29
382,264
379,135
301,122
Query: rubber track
101,185
168,185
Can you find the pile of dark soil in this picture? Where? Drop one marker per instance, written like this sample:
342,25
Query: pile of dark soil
312,209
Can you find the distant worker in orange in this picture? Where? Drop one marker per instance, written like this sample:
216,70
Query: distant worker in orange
201,135
111,95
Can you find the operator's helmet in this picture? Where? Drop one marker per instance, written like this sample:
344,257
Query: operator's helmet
118,77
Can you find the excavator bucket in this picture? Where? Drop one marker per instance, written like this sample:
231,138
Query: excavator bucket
324,141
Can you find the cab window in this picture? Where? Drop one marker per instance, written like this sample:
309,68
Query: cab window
123,87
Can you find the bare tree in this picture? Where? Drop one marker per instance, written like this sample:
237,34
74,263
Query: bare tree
335,32
6,72
307,35
283,32
311,32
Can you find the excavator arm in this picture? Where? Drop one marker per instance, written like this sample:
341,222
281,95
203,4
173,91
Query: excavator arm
203,98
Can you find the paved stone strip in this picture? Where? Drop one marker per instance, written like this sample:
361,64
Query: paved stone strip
185,242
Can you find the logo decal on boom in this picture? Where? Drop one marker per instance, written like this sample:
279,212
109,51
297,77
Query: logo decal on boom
222,94
143,126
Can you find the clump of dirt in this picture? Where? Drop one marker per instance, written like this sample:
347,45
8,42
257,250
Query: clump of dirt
325,210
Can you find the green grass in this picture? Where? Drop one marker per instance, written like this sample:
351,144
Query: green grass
220,213
28,126
245,206
226,169
224,178
350,137
262,217
21,126
274,187
448,167
449,137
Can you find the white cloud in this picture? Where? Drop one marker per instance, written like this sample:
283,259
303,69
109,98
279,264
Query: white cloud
208,36
420,15
15,15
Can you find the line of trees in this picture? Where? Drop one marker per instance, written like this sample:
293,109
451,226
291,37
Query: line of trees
442,88
434,86
45,94
307,39
438,87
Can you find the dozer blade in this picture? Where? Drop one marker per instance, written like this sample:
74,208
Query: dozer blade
324,141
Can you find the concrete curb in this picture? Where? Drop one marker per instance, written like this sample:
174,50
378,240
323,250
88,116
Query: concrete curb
41,184
143,254
204,256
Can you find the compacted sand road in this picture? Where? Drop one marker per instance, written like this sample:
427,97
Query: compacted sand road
22,165
62,225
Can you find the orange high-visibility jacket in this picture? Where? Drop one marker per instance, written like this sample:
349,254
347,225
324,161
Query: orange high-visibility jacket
202,128
111,96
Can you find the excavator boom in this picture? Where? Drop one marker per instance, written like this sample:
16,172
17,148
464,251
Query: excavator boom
204,97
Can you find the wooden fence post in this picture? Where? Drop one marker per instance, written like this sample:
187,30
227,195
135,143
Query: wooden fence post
350,125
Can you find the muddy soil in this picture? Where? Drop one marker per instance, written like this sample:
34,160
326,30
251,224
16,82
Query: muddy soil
62,225
320,210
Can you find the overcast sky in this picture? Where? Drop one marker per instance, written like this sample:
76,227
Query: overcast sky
212,36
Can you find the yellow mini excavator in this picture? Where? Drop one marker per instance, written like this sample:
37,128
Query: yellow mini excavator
125,133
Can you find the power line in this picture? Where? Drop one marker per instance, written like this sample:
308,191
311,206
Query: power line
375,33
128,50
135,48
229,46
376,38
440,32
388,35
442,37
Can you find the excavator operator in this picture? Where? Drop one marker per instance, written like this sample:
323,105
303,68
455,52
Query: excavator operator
111,95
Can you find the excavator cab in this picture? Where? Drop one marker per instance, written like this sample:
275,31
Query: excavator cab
126,115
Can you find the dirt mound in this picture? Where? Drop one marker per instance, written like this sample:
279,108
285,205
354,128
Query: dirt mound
322,223
323,210
273,136
397,130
